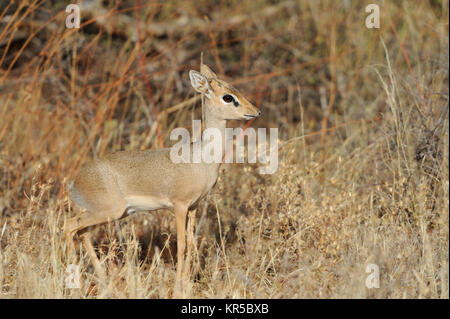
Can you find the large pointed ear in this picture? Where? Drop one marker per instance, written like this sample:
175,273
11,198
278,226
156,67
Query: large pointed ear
199,82
206,71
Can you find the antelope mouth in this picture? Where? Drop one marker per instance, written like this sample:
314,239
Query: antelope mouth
250,116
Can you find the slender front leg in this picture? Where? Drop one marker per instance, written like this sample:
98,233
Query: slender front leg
190,244
180,220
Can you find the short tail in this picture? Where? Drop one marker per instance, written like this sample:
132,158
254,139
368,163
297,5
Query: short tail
76,195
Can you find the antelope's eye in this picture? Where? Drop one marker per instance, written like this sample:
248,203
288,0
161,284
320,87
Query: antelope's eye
227,98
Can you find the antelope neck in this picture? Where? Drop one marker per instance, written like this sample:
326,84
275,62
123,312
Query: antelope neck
214,121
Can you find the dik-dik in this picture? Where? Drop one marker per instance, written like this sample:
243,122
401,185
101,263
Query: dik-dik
108,188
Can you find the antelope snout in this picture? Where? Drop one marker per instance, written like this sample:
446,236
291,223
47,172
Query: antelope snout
256,113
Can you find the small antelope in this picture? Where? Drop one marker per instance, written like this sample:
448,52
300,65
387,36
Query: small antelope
111,187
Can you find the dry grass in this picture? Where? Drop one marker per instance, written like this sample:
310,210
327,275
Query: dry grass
363,178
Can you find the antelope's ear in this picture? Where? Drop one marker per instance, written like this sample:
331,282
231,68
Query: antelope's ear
199,82
206,71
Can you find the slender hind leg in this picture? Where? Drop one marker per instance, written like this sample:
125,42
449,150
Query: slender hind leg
82,222
72,226
86,238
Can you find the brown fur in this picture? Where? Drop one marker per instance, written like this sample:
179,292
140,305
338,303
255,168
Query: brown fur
148,180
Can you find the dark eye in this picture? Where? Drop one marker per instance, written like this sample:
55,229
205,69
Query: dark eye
227,98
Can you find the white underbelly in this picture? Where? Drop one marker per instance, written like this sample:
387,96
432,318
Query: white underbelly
147,203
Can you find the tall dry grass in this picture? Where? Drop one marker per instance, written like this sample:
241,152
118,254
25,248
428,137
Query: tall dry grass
363,150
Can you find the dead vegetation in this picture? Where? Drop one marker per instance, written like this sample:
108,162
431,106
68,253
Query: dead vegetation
363,151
